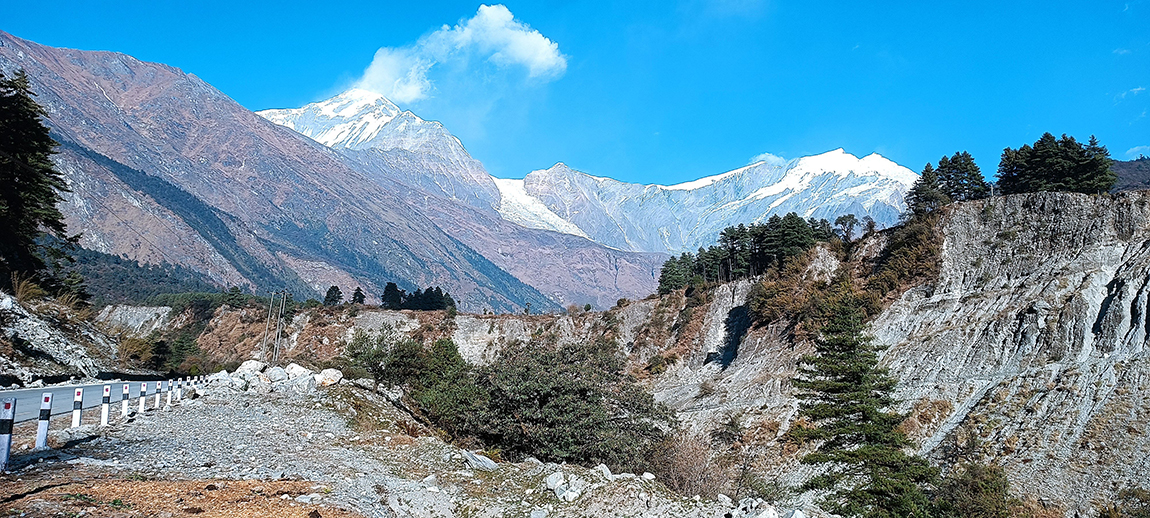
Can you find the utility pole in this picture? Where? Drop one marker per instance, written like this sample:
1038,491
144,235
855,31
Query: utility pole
267,325
279,325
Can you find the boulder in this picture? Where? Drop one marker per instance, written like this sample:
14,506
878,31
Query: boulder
253,366
768,511
276,374
797,513
724,500
328,377
302,385
648,476
295,370
554,480
603,471
479,462
259,386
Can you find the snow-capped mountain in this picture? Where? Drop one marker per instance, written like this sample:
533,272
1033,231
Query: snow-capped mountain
683,217
376,135
379,138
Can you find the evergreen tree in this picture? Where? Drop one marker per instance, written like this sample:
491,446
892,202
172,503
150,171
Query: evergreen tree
960,179
30,185
1056,165
926,195
845,394
358,297
334,296
392,297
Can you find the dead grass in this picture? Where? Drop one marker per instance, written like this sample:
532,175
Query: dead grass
95,496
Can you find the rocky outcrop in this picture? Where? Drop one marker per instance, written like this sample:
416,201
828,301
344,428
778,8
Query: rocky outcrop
47,340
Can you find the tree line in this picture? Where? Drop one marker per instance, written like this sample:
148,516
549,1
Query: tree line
747,250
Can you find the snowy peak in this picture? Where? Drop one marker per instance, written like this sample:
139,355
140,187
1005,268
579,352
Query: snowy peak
684,216
351,119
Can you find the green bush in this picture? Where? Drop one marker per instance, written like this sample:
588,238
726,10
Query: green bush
569,403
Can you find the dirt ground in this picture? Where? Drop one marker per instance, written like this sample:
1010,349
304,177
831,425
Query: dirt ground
67,490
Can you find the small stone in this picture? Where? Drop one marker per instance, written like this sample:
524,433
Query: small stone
554,480
538,513
604,471
722,499
648,476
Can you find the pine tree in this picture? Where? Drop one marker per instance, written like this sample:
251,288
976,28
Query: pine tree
960,179
392,297
1056,165
358,297
30,185
925,195
845,394
334,296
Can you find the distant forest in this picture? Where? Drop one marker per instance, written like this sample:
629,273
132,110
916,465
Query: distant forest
112,279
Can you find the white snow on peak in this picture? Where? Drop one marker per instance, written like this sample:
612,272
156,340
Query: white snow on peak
842,163
518,207
351,119
705,181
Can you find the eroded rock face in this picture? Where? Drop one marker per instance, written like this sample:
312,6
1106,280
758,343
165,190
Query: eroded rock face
1035,334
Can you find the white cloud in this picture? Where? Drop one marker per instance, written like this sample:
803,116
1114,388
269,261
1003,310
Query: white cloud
1121,51
1134,152
492,34
1131,92
774,160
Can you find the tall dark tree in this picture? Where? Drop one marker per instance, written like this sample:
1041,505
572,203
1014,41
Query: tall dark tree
847,395
960,179
358,297
1054,164
847,224
30,185
334,296
392,297
926,195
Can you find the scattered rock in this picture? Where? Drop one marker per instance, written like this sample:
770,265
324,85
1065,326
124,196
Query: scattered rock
648,476
554,480
479,462
603,471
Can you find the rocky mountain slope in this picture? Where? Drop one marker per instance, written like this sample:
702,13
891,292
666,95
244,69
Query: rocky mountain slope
1028,350
164,166
428,167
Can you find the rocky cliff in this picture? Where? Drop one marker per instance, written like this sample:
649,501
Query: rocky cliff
1028,350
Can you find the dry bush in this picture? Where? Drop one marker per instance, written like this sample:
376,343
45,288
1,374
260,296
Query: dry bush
687,467
25,290
135,350
1030,507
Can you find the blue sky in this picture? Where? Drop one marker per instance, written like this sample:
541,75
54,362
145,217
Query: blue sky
668,91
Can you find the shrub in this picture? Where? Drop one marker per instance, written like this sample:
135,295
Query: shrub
686,466
569,403
136,350
974,491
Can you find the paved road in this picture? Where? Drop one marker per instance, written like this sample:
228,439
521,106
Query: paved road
28,400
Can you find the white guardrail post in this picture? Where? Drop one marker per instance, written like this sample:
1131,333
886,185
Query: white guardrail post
143,396
169,398
159,389
124,401
77,407
7,415
45,416
105,405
